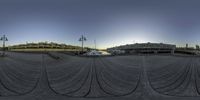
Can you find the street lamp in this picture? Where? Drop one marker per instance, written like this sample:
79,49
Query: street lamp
82,39
4,39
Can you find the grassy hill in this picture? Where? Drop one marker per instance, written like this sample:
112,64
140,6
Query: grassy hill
45,46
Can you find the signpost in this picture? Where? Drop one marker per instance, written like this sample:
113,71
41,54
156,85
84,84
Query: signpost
4,39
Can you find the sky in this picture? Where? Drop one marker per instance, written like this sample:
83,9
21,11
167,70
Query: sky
109,22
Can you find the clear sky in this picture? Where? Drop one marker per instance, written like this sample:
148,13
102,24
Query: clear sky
110,22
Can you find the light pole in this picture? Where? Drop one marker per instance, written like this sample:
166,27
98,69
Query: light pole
95,45
4,39
82,39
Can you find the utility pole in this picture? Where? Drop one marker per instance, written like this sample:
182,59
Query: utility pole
82,39
4,39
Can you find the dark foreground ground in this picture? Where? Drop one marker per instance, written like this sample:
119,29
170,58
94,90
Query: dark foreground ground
26,76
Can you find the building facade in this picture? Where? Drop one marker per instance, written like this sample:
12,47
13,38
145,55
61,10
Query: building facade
144,48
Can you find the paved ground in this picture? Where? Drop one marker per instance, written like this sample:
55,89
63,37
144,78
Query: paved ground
42,77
